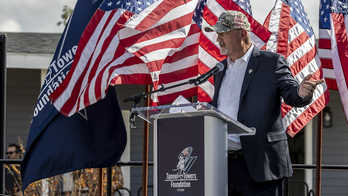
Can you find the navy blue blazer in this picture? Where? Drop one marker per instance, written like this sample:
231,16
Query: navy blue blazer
267,80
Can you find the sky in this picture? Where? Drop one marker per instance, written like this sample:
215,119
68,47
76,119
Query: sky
41,16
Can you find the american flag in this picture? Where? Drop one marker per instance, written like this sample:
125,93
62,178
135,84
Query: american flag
333,45
126,42
179,67
293,37
206,52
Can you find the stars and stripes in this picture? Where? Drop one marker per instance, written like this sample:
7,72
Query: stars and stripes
204,52
293,37
324,45
245,5
179,67
134,6
122,47
333,45
156,44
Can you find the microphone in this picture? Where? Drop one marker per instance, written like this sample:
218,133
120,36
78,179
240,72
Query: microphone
203,78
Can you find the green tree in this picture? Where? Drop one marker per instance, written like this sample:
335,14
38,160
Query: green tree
65,16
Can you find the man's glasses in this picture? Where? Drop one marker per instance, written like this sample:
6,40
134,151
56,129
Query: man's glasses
9,153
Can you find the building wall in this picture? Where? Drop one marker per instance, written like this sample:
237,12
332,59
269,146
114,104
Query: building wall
334,150
22,90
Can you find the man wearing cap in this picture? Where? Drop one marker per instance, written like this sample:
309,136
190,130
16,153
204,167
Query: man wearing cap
250,89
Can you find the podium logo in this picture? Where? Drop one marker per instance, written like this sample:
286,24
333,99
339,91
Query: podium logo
182,178
185,161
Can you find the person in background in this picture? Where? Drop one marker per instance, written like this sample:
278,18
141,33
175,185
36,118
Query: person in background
12,175
13,152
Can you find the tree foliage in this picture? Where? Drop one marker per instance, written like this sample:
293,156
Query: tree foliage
65,15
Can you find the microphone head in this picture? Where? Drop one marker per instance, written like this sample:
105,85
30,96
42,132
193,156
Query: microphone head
220,66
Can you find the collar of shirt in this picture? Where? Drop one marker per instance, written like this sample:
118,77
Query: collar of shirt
245,57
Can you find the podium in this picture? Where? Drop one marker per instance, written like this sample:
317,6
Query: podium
190,148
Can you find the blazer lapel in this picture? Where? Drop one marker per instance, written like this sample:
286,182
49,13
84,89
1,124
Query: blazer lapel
249,72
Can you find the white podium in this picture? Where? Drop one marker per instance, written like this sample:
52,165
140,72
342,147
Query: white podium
190,148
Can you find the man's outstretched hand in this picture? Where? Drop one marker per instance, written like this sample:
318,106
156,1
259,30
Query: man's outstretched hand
307,86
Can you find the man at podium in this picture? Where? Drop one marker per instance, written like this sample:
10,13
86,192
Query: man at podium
250,89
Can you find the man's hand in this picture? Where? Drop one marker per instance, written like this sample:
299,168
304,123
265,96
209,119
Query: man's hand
308,87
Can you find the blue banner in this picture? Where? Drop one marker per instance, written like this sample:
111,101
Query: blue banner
92,138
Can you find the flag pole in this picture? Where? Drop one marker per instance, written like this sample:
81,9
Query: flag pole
145,146
100,181
319,153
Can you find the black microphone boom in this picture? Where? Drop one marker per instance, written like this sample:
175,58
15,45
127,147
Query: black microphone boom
203,78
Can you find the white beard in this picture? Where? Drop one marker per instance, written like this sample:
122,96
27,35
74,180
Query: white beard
223,51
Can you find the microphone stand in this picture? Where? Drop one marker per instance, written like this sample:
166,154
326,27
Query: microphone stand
136,99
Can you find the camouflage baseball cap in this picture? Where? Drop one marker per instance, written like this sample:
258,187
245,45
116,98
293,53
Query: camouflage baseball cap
228,21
